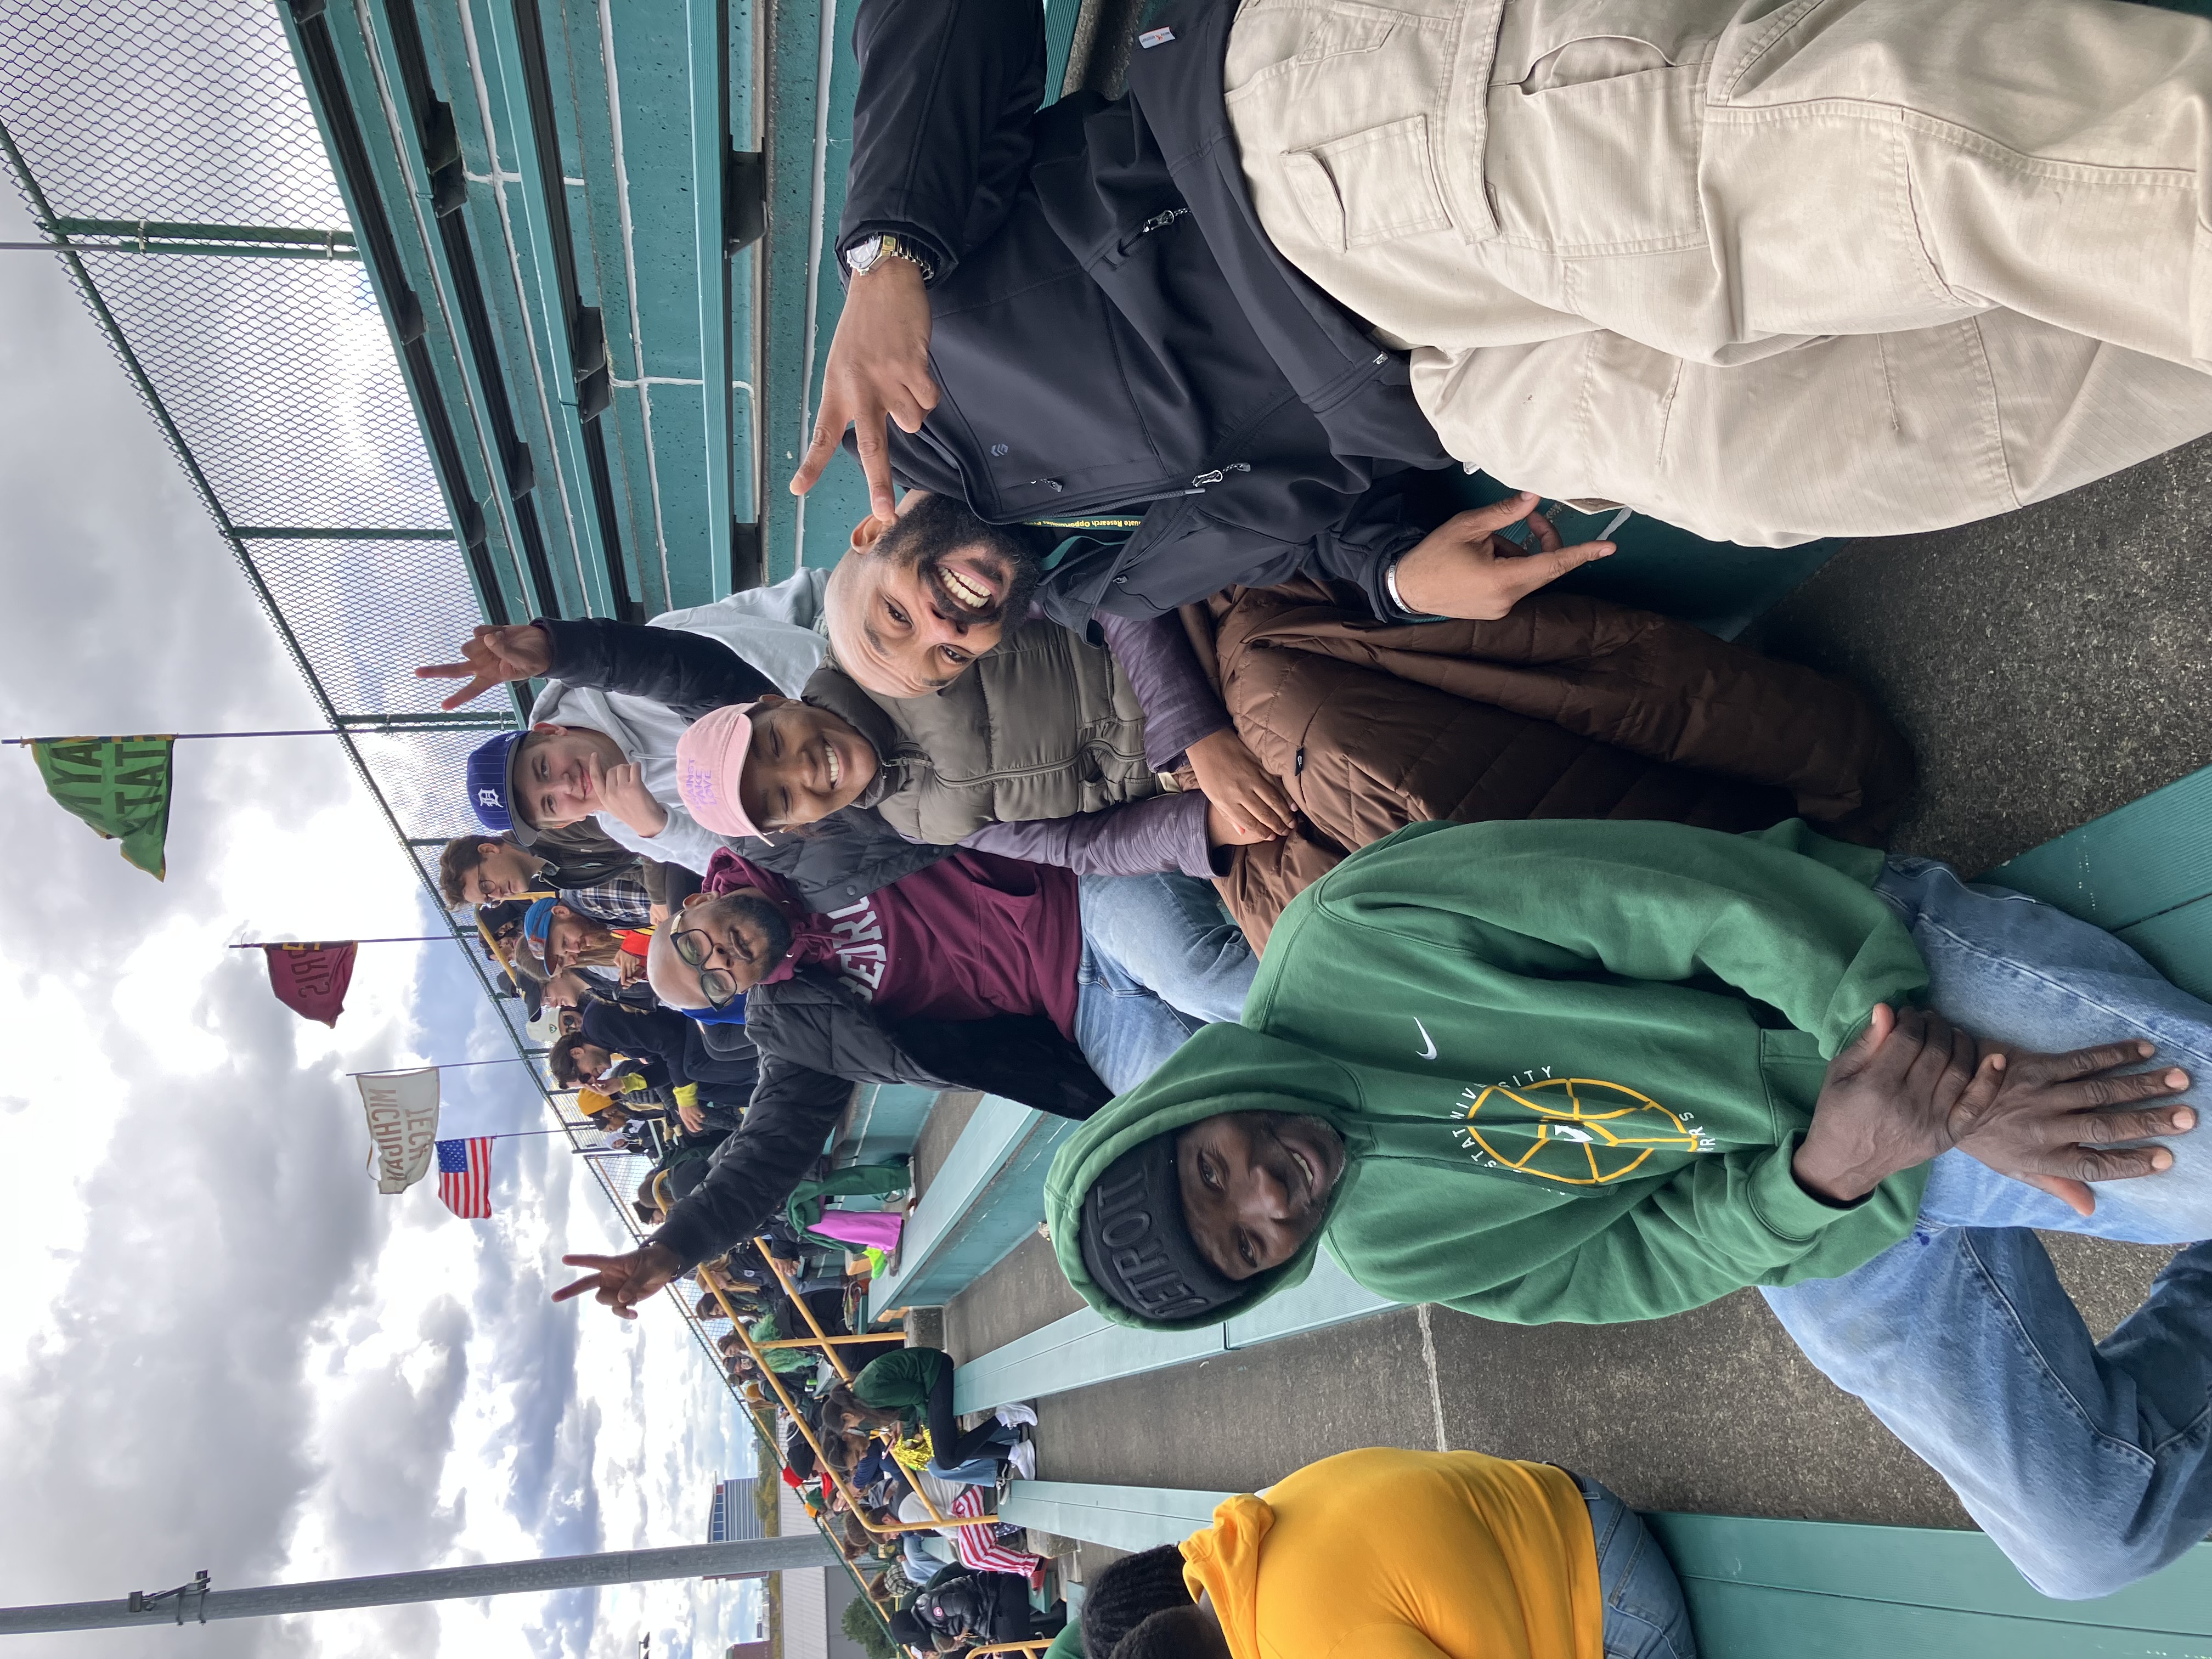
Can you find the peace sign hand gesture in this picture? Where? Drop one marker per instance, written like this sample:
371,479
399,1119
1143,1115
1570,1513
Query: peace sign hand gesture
494,656
621,1282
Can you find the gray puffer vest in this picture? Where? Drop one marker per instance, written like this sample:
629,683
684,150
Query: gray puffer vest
1045,725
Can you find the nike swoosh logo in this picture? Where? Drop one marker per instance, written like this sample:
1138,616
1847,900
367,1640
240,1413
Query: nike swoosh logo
1426,1038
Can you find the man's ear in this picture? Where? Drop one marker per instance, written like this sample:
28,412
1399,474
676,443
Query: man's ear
548,726
866,534
690,899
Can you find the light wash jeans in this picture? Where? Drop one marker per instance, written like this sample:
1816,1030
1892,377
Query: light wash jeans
983,1470
2089,1463
1161,958
1645,1616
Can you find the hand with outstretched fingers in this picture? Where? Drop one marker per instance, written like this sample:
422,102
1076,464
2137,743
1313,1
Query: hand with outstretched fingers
1465,569
878,371
1230,777
1913,1085
621,790
494,656
622,1282
2057,1118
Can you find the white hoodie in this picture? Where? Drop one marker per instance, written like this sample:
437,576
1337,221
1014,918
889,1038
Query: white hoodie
779,630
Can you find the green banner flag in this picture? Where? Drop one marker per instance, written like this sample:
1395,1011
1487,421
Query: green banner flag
120,785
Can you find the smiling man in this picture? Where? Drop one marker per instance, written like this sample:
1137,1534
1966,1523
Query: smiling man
603,734
1597,1072
1020,979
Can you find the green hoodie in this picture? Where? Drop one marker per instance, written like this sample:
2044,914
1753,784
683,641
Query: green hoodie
1571,1062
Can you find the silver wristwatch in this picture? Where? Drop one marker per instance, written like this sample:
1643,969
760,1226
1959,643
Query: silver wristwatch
864,255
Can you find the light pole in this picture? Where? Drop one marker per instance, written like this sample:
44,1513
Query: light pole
196,1603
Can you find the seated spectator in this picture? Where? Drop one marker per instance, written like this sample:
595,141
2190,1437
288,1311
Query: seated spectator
1573,1070
1049,747
1570,707
960,1607
974,971
602,744
707,1082
1447,1553
561,938
473,870
908,1396
784,1362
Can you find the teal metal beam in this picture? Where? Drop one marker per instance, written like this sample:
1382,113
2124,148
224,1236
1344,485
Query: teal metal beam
508,73
362,48
1081,1350
1762,1589
707,22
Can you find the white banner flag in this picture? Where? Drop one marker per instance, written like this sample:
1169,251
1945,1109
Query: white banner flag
403,1124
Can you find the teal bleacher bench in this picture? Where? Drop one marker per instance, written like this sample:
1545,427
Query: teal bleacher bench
1786,1589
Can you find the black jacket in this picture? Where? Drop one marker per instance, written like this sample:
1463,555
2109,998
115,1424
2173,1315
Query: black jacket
1111,326
844,858
816,1039
725,1074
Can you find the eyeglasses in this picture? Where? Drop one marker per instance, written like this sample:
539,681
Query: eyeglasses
719,986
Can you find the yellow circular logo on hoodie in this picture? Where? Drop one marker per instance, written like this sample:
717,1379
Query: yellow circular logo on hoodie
1582,1131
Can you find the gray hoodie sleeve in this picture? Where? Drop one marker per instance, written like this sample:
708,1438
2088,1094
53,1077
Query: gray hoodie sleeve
1137,838
1178,701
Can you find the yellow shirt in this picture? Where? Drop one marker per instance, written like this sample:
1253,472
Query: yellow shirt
1390,1554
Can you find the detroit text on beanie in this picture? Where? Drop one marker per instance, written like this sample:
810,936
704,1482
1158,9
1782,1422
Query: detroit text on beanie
1137,1245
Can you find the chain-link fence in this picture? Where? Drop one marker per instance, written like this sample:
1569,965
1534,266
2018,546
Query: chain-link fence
170,156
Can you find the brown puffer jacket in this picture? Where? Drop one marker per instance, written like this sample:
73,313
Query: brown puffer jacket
1571,708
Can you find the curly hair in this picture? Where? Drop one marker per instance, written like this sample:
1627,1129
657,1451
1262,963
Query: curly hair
560,1060
1130,1592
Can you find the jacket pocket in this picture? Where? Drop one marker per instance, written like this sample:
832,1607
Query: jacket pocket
1369,186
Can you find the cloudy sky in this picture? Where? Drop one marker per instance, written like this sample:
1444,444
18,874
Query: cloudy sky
219,1346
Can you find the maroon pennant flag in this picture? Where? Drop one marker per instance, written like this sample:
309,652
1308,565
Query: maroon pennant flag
311,980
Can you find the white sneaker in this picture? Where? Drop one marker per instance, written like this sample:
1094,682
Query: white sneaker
1021,1459
1017,1416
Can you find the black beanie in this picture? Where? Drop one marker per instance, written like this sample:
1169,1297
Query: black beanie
1137,1246
1128,1592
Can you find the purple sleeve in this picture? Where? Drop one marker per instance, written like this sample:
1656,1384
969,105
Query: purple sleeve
1179,704
1137,838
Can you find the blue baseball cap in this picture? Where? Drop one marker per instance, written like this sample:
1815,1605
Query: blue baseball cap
537,921
491,786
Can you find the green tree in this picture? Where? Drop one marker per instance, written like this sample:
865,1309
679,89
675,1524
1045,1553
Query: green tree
862,1624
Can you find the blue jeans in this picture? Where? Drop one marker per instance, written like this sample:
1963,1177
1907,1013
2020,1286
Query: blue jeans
1645,1616
1160,958
2089,1463
983,1469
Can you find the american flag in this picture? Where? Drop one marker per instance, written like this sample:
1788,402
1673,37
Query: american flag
464,1176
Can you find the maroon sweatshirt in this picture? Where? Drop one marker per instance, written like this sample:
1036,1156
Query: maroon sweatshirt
969,936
